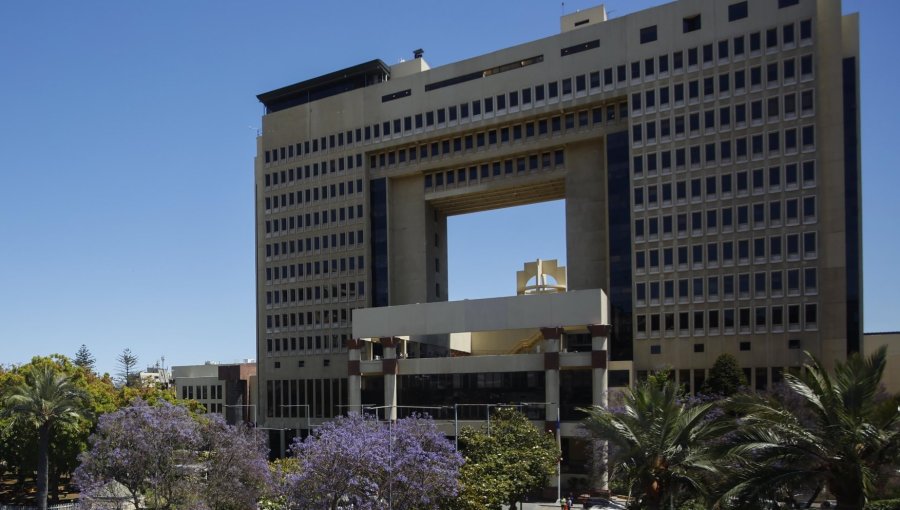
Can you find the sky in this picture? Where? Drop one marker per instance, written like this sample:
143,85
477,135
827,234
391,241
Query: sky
127,137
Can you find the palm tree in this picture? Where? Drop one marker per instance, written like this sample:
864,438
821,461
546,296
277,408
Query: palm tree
659,444
835,433
45,399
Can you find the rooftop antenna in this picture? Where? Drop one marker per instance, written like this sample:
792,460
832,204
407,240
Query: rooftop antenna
563,8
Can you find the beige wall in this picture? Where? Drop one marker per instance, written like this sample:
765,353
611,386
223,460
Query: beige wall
872,342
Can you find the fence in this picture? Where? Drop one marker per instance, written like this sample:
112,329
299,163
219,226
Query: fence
65,506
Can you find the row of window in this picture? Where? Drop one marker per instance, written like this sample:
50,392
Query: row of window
319,244
496,137
333,317
757,377
664,97
315,219
202,392
727,287
754,147
314,194
726,184
306,398
518,165
307,345
313,170
756,320
764,249
775,213
315,294
723,49
315,268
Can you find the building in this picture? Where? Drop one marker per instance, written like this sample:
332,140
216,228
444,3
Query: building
891,340
229,390
709,157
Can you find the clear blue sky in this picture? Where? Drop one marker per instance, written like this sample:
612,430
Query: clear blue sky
126,160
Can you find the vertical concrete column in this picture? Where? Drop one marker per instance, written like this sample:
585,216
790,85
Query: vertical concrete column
600,397
390,367
552,337
354,379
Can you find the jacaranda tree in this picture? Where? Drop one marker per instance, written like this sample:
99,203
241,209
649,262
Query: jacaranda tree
357,462
146,449
234,462
166,456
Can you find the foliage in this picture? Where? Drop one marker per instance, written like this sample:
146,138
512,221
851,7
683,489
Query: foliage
237,473
44,401
725,377
276,497
660,445
174,459
84,358
849,435
357,462
503,466
144,448
127,363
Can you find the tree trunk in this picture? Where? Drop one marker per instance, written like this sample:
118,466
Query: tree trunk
42,468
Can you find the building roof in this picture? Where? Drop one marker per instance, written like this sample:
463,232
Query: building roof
327,85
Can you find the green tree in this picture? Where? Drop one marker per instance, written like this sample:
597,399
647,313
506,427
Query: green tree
725,377
659,445
835,432
84,358
127,363
46,400
505,465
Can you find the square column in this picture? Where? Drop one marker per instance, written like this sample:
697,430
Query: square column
600,397
390,367
551,345
354,379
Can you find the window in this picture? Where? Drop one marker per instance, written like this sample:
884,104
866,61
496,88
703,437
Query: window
787,3
737,11
648,34
691,23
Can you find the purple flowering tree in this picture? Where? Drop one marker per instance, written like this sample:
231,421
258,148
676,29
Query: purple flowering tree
236,467
145,449
357,462
164,455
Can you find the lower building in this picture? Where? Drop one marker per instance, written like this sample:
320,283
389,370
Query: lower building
229,390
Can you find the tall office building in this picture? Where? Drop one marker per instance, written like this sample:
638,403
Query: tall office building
708,154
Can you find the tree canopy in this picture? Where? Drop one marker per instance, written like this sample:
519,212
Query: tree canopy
836,433
503,466
357,462
661,446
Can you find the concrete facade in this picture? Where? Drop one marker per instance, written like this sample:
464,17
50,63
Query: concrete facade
708,153
891,340
229,390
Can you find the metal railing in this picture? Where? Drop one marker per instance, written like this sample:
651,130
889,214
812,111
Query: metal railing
63,506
